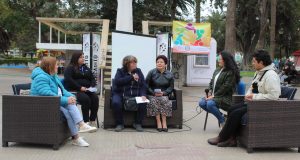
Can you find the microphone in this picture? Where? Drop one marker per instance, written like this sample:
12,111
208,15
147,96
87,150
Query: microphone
206,91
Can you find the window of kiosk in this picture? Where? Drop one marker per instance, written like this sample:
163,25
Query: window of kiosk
201,60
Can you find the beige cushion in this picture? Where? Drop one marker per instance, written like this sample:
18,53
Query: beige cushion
25,92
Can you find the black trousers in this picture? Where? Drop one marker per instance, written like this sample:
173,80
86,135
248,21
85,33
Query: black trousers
89,105
233,123
289,79
117,105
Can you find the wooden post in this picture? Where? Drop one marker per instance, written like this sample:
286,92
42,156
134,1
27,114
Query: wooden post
101,80
50,34
103,50
146,24
58,37
103,43
40,38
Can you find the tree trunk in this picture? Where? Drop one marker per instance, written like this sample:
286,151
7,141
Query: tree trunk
198,10
263,9
272,29
230,34
250,50
4,40
173,9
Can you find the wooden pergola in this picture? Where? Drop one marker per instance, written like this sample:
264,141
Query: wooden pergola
147,24
53,24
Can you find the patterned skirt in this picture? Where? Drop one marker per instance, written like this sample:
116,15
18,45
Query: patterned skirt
159,105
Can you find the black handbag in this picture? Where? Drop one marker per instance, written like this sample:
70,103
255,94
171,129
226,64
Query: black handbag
129,103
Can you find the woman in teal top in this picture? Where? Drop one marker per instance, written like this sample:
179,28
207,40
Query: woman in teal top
45,82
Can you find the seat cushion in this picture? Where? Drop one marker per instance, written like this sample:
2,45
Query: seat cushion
17,87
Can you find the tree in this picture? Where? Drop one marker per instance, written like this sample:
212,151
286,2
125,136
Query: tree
197,10
272,28
247,30
182,5
263,18
287,22
230,33
4,40
4,37
217,20
21,24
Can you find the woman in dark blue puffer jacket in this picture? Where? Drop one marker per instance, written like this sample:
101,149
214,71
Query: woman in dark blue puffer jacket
129,81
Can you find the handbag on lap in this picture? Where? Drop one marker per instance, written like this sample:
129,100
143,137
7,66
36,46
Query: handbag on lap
129,103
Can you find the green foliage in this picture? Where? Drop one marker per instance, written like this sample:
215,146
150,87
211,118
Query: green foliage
217,20
19,20
288,21
11,60
247,73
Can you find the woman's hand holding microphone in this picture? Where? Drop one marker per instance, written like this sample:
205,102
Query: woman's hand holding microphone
136,77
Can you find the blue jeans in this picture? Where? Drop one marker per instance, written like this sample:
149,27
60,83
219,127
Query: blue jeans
211,107
73,117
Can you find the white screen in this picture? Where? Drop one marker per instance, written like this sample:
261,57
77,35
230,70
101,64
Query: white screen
142,47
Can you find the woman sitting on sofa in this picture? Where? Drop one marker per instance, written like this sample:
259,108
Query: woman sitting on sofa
221,87
45,82
160,85
79,78
128,82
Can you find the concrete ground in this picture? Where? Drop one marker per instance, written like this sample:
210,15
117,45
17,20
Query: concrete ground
189,143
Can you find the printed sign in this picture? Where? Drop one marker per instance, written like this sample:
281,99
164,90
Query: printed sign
191,38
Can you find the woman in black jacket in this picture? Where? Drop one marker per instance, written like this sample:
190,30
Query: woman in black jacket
129,81
79,77
160,86
221,87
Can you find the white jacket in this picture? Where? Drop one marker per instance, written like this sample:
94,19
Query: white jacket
269,86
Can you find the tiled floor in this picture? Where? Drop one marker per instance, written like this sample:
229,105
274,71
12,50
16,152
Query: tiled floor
189,144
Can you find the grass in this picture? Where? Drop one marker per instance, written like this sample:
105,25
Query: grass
247,73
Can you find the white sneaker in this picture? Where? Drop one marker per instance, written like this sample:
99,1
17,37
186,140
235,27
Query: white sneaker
80,142
86,128
92,123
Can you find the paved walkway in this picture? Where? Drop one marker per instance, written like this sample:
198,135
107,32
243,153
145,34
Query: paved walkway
188,143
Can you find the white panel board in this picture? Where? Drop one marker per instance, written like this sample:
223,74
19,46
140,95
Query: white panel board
141,46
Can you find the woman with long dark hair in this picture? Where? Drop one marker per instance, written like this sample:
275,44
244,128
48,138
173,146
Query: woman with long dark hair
79,77
221,87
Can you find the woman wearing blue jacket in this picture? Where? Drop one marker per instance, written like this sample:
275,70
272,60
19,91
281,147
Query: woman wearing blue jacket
129,81
45,82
